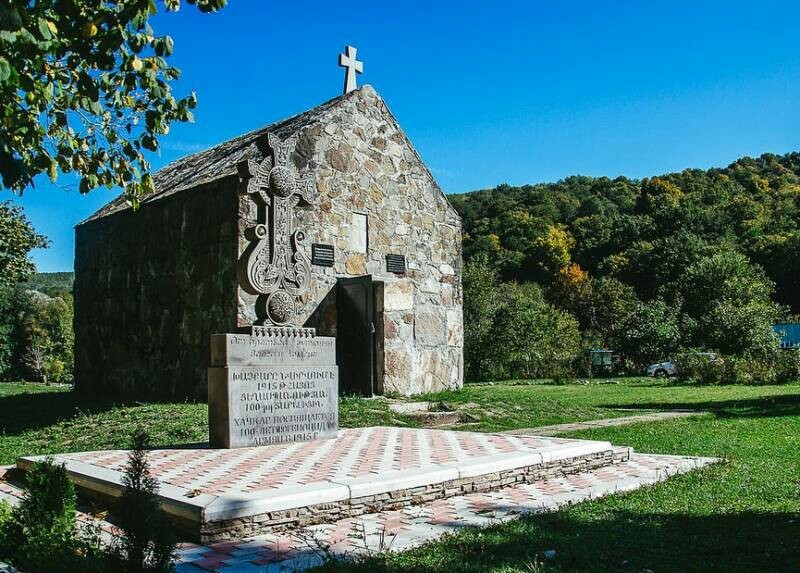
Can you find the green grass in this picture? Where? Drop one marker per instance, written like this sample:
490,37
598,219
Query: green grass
509,406
37,419
743,515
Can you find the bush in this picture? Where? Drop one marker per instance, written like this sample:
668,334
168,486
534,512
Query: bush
787,367
5,521
512,331
529,338
147,543
700,368
780,368
40,534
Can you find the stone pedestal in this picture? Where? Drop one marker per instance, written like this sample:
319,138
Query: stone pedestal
273,386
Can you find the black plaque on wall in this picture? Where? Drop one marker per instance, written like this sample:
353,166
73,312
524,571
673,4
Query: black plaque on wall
396,264
322,255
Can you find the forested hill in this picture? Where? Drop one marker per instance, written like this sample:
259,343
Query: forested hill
644,233
51,284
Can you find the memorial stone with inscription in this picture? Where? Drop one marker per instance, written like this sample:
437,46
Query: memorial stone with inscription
271,388
277,383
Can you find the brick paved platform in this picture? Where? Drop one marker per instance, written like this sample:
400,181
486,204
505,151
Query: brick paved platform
215,494
409,527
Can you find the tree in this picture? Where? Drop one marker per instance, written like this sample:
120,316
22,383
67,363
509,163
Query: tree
147,543
552,250
48,337
17,239
36,360
86,88
531,338
650,333
729,303
612,303
480,283
13,302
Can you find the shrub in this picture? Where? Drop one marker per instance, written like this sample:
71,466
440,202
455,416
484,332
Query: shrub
147,543
787,367
512,331
700,368
780,368
40,534
530,338
5,521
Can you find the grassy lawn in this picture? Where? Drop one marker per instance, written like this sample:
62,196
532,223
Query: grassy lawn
37,419
508,406
743,515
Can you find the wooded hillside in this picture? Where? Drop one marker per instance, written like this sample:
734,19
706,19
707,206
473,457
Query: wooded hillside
703,259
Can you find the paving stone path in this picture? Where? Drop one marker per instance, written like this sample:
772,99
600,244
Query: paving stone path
556,429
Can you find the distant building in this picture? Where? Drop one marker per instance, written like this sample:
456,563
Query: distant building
789,333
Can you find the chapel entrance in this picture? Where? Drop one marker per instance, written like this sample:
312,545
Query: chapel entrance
359,335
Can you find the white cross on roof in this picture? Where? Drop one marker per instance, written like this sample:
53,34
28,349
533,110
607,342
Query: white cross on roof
348,60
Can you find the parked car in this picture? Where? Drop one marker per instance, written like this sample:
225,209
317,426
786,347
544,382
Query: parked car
670,368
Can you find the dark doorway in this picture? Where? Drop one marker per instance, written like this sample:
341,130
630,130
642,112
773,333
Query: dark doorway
359,341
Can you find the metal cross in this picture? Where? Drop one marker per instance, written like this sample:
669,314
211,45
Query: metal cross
353,66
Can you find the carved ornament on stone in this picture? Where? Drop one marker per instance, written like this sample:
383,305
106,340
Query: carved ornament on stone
278,266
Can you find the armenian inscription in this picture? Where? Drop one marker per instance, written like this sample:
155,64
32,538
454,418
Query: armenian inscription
322,255
261,405
247,350
272,388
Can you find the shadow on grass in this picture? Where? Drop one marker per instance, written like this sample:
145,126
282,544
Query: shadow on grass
769,406
622,541
30,411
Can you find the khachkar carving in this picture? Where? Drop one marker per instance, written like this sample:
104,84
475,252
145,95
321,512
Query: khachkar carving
278,267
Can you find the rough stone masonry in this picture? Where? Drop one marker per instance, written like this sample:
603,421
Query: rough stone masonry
152,285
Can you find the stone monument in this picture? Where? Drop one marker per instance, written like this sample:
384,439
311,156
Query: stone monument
277,383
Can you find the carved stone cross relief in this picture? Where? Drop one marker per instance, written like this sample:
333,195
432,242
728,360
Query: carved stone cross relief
278,267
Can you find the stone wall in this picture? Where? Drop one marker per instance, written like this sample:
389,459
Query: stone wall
363,164
150,288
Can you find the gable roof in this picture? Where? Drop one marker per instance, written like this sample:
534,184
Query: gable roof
222,160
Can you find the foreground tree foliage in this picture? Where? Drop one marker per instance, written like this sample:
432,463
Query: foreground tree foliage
85,87
691,260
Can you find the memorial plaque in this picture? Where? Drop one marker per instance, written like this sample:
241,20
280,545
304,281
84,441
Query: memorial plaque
322,255
264,405
274,386
396,264
247,350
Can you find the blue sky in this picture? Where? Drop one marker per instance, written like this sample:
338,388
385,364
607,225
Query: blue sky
490,92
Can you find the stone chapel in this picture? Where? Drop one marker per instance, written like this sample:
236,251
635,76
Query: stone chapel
380,243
